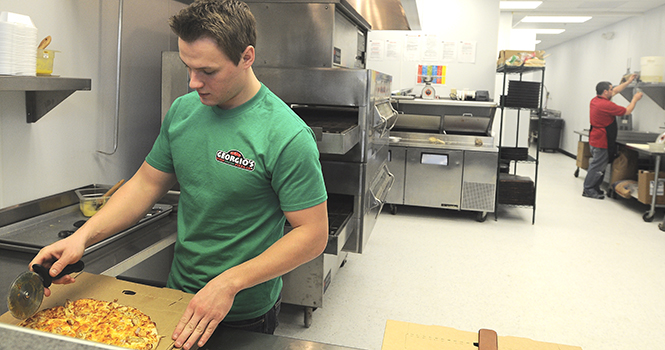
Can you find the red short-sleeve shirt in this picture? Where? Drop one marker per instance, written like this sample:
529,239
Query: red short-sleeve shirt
602,112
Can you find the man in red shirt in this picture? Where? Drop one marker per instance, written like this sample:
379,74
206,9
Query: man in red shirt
603,133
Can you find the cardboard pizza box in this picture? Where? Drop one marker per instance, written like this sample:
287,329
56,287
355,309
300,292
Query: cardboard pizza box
412,336
165,306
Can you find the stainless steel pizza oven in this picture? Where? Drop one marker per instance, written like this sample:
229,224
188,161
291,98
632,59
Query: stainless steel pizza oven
315,62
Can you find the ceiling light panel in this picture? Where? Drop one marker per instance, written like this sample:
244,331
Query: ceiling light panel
555,19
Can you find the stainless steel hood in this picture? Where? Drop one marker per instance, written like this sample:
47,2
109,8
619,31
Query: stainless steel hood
381,14
388,14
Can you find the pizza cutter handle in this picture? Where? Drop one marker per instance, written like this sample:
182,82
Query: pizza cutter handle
487,340
47,279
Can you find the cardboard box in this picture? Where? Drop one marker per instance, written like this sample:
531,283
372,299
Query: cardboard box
583,154
411,336
645,187
164,306
507,54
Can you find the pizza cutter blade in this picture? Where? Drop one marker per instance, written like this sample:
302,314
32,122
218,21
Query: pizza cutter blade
27,291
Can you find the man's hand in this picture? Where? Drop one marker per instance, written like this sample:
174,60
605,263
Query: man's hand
204,312
637,96
58,255
631,78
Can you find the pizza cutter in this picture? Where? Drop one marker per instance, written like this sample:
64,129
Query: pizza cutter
27,291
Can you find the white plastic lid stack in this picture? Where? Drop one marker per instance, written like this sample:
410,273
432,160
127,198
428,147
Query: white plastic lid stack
18,45
6,47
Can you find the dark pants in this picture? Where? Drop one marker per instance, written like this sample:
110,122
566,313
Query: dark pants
262,324
596,171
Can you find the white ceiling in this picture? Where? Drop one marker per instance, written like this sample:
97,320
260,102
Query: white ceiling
604,13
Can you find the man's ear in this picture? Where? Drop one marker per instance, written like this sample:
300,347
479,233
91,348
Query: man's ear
248,57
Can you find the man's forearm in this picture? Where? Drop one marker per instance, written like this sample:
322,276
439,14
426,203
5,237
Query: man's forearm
617,89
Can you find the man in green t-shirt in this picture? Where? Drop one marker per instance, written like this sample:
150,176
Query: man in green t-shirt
245,163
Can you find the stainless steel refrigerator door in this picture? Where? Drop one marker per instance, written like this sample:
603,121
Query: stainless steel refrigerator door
433,178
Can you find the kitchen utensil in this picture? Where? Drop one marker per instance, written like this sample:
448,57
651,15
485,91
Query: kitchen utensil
114,188
487,340
108,193
44,43
27,291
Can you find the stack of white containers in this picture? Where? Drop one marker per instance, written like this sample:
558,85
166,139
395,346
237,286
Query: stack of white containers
18,45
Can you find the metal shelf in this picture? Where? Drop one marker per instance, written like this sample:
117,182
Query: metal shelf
520,70
43,93
517,69
655,91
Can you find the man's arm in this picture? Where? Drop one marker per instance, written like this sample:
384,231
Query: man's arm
617,89
210,305
633,103
129,204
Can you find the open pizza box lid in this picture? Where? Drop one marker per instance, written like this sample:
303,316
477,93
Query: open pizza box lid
411,336
165,306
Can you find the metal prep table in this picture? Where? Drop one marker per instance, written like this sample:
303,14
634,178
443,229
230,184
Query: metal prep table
442,155
643,148
144,248
112,258
637,141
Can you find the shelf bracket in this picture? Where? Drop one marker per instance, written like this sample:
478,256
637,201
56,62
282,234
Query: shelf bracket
43,93
655,91
38,103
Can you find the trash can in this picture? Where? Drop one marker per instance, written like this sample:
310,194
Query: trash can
550,133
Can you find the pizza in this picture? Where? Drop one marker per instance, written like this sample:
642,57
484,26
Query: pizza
100,321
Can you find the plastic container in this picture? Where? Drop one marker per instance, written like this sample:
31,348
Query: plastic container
45,61
652,69
92,199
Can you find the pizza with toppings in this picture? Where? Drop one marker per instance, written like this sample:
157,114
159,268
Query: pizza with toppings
100,321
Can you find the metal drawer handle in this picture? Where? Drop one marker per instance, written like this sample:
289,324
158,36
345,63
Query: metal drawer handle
394,116
381,128
379,198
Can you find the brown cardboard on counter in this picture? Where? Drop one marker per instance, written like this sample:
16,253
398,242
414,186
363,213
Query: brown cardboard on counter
411,336
164,306
645,187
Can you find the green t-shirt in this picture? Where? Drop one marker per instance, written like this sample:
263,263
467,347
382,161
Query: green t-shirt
238,171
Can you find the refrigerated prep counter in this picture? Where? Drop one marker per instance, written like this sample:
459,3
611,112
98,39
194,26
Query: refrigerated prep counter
442,155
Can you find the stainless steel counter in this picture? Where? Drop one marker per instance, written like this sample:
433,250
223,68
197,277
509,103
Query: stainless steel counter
442,141
129,248
147,245
20,338
447,102
443,171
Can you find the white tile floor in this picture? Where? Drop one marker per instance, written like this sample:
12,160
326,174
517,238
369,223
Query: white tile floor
589,273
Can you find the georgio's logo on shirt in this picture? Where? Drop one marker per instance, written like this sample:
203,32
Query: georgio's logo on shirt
236,159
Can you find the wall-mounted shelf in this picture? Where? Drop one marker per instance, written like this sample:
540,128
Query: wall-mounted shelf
655,91
42,94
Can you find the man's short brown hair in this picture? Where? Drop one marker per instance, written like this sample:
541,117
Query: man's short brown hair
602,86
229,22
